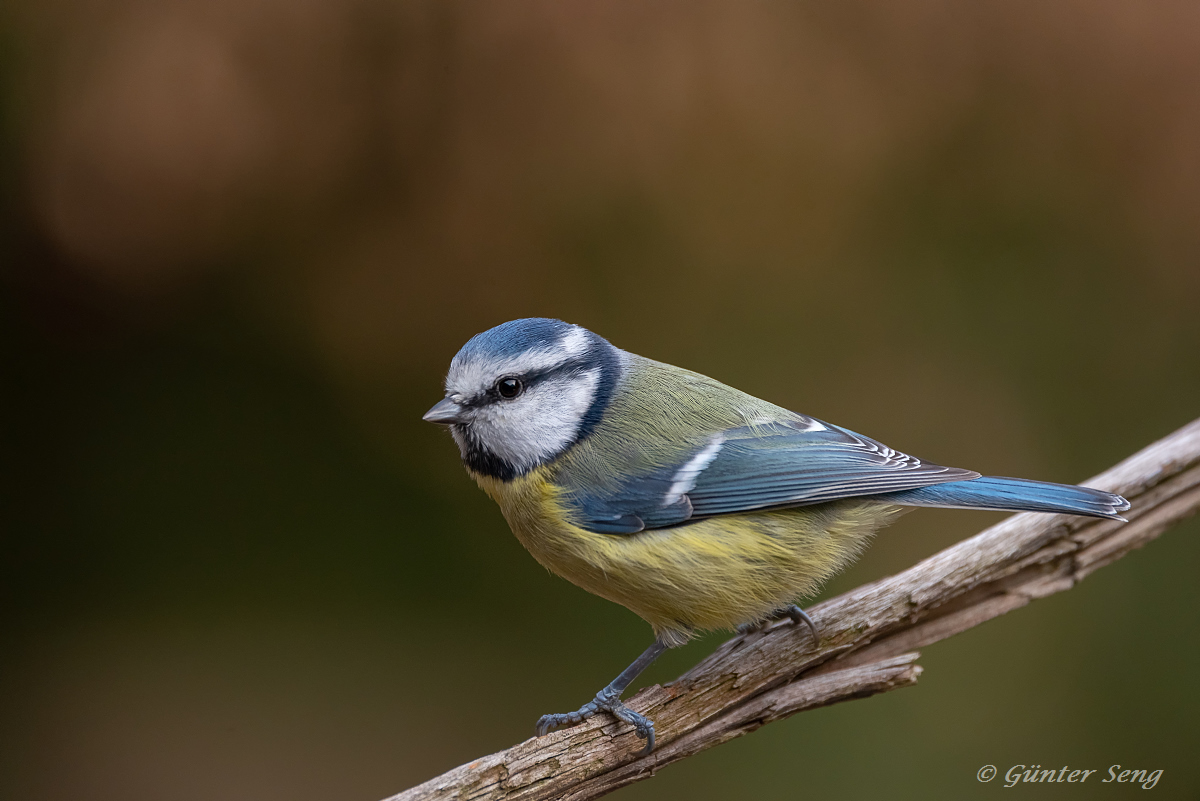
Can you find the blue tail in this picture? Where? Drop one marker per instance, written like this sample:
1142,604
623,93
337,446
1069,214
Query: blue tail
1013,494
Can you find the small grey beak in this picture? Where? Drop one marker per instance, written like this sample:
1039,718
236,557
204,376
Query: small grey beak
446,412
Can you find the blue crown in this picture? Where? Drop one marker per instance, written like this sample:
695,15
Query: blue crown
516,337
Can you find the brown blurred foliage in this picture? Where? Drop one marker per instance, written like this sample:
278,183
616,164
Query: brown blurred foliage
383,151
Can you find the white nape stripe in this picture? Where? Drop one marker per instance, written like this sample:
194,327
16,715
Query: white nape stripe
685,477
575,342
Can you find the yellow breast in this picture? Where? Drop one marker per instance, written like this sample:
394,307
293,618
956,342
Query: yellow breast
714,573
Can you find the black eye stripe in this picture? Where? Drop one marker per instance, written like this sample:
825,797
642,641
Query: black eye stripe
567,368
529,380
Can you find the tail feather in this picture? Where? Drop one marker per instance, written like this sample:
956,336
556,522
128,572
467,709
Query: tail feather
1014,494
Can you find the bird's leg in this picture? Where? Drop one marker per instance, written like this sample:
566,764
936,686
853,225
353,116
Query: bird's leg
792,611
609,699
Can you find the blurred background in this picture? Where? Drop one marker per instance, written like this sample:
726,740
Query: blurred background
240,241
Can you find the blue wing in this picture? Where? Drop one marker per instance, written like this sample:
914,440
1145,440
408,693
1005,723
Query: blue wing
778,464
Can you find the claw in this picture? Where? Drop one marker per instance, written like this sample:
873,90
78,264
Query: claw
646,732
795,613
642,725
548,723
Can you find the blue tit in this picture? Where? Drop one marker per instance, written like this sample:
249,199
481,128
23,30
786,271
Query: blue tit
694,505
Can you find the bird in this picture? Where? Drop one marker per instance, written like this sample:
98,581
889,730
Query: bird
696,506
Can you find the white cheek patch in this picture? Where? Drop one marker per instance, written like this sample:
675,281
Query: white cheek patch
540,423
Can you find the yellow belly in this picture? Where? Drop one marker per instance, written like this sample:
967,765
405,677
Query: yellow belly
714,573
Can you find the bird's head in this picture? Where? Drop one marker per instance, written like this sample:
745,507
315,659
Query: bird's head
520,394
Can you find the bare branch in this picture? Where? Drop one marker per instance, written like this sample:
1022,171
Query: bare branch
868,637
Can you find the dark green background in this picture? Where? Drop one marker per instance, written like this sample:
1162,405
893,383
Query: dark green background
241,242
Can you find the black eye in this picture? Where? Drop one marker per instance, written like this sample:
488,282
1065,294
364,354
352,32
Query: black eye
509,388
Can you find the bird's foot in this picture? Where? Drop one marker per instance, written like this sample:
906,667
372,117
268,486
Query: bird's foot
607,702
793,612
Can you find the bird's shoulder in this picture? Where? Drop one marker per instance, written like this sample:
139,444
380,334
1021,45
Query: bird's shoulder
659,414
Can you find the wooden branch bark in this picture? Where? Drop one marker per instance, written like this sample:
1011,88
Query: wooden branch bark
867,640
